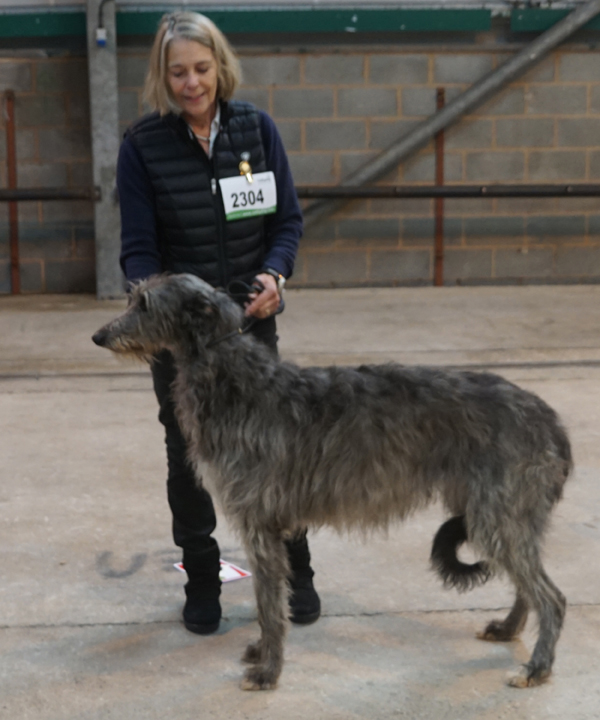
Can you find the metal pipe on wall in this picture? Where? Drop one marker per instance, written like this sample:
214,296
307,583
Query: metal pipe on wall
478,93
438,263
14,195
337,192
447,191
13,211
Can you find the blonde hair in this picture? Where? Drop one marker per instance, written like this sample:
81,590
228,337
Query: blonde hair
189,26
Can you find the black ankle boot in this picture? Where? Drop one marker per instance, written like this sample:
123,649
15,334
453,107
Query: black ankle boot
305,605
202,609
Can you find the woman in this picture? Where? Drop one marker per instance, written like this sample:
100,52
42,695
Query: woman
205,187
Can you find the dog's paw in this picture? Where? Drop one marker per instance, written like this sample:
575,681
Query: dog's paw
527,677
258,678
496,631
253,653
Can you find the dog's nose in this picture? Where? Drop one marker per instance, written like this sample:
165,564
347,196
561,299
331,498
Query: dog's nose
100,337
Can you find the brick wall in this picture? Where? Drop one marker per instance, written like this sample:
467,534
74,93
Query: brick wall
335,111
53,150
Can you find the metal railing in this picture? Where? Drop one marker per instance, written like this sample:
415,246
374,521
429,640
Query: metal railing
437,192
31,194
449,191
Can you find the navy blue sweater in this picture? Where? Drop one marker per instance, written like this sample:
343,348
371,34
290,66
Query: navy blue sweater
140,255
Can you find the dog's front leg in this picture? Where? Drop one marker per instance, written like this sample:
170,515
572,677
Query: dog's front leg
268,559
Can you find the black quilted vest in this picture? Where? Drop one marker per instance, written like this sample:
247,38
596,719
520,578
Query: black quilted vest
193,234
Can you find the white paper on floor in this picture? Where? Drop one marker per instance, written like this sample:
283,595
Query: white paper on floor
228,571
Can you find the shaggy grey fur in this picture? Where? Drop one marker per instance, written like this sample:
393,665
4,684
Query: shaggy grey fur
287,447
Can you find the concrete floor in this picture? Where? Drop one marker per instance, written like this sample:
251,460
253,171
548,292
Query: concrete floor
90,602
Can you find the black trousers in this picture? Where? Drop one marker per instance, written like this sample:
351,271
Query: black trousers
194,518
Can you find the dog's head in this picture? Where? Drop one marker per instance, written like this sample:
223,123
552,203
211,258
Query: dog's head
174,312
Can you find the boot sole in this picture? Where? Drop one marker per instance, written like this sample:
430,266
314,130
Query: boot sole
202,629
305,619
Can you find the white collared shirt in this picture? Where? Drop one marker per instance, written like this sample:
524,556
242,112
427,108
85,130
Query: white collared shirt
214,130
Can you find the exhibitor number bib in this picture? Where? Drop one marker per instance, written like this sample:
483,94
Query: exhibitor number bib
245,199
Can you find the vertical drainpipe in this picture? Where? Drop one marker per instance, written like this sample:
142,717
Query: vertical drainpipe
104,112
13,210
438,277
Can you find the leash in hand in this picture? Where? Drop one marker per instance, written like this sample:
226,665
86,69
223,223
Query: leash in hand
240,292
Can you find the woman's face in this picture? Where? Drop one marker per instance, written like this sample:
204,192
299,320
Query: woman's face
192,77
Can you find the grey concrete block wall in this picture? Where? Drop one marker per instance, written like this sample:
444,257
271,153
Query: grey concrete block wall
546,227
470,134
30,275
421,101
367,102
271,70
479,229
290,132
525,132
63,142
53,77
578,132
495,166
302,103
53,150
556,166
257,96
577,261
421,168
523,263
510,101
462,265
129,109
400,267
36,110
336,109
457,68
334,69
336,135
542,72
313,168
44,175
352,161
131,70
557,99
16,75
398,69
342,267
382,133
579,67
370,230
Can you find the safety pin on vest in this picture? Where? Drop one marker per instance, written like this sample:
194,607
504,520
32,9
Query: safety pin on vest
245,167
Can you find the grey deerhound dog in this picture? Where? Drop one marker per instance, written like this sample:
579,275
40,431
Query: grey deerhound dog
286,448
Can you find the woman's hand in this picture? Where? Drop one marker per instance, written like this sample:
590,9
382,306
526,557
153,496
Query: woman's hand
266,303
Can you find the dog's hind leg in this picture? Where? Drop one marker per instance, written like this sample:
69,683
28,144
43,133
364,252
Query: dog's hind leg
509,628
269,563
550,605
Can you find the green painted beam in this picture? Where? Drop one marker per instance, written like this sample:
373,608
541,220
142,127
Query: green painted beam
56,24
538,20
42,24
322,20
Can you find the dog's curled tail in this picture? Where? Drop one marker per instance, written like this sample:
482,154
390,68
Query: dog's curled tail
454,573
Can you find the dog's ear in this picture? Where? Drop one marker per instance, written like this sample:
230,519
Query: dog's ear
144,301
198,307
